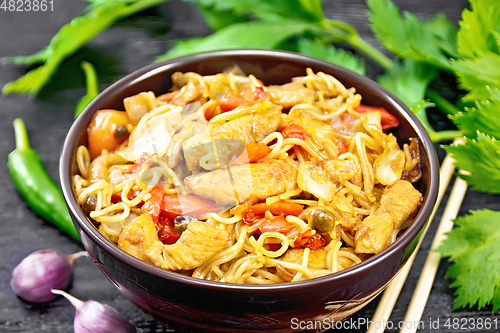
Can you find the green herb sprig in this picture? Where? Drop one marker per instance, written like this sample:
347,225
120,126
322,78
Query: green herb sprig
99,16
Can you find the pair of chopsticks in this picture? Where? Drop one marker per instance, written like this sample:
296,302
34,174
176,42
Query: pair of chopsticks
426,280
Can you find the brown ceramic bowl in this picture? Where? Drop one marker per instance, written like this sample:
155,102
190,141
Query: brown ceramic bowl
171,297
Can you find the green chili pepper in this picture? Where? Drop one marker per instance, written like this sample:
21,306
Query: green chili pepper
35,185
92,87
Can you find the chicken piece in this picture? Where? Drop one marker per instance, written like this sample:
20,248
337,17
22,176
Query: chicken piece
260,121
400,200
198,243
316,260
373,233
187,94
398,203
342,170
98,168
310,124
346,220
291,94
242,182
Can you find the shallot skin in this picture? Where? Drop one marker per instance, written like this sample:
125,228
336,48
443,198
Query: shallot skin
95,317
38,273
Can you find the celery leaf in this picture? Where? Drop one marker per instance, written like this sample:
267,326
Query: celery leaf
256,34
484,117
68,40
330,53
408,81
268,10
479,28
432,42
474,248
480,159
476,74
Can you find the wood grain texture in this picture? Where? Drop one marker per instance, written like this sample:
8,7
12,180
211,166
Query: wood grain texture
129,45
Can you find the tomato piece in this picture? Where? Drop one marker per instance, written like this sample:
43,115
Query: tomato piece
277,224
341,145
107,130
294,130
174,205
255,152
387,120
257,211
315,242
303,238
153,205
231,101
166,232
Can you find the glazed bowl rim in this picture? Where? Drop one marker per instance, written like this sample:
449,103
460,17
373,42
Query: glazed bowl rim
156,68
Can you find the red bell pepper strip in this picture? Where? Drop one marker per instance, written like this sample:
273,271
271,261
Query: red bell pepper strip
255,152
277,224
257,211
154,204
166,232
174,205
294,130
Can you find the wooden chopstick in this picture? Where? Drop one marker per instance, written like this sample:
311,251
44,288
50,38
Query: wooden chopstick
391,293
426,280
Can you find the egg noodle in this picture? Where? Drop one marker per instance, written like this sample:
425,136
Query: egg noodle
348,178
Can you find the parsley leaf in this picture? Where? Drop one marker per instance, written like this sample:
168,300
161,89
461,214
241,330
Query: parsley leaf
330,53
241,35
406,36
479,28
476,74
480,160
484,117
68,40
474,248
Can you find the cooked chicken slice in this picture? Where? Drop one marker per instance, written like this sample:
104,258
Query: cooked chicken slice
400,200
316,260
242,182
342,170
309,123
291,94
98,168
373,233
346,220
131,238
198,243
262,119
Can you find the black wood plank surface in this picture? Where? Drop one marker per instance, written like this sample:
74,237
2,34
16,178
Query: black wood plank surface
129,45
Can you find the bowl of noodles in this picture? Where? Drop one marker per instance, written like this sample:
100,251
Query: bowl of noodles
248,189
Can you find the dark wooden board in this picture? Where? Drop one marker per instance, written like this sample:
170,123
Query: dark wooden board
129,45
